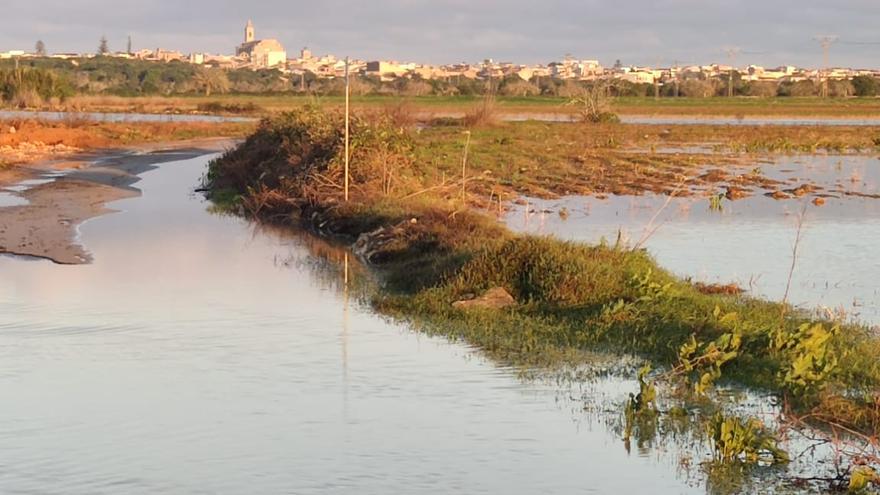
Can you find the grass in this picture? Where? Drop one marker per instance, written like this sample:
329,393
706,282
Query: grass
430,249
549,159
459,105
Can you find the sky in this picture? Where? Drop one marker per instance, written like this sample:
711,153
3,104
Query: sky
637,32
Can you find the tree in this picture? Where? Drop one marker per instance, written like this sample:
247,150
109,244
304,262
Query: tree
697,88
840,88
40,48
103,47
762,89
519,87
211,80
865,86
594,104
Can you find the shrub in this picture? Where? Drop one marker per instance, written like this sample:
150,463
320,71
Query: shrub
865,86
696,88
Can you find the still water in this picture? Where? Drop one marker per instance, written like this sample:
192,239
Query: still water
119,117
544,117
199,355
750,241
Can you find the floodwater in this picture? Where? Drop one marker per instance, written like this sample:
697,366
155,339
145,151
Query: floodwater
750,241
544,117
119,117
198,354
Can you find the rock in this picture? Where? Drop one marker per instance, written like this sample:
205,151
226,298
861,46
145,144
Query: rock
801,190
733,193
819,201
11,129
778,195
495,298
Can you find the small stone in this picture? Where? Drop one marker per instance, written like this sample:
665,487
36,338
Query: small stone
778,195
12,130
819,201
733,193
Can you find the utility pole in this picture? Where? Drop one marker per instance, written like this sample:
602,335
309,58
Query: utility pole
656,79
675,77
347,124
731,59
825,41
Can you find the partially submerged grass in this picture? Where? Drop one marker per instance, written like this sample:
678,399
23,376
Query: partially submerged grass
431,249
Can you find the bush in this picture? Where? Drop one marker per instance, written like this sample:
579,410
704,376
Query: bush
865,86
763,89
519,88
696,88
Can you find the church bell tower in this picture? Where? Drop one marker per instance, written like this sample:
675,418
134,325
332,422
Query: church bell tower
249,32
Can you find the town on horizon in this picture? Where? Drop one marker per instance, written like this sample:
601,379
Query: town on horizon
269,53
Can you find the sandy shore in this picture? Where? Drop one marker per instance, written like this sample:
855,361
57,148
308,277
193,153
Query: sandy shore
46,227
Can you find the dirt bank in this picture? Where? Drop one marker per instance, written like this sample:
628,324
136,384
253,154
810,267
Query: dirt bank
46,227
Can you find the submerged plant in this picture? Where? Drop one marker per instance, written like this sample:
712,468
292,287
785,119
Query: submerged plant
640,411
748,441
716,202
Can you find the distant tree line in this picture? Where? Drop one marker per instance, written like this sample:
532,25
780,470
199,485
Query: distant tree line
27,87
49,78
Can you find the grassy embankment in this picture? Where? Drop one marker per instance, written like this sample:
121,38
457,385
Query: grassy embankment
415,221
456,105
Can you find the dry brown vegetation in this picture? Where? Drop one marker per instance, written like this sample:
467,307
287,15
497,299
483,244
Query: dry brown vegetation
28,140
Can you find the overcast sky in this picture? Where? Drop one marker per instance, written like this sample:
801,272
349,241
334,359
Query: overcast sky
768,32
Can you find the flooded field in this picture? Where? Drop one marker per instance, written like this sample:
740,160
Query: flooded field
750,241
198,354
118,117
509,117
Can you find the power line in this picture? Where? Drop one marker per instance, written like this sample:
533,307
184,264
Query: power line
825,41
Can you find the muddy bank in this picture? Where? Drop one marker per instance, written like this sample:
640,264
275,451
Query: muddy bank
61,196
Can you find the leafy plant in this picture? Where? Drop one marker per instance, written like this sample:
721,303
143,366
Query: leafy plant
743,440
716,202
640,412
810,353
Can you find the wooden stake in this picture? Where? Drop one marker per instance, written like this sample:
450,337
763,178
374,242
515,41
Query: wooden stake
347,124
467,145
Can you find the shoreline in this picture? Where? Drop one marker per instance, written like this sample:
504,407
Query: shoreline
77,189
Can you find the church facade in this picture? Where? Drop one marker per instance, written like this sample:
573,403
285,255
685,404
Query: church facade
262,54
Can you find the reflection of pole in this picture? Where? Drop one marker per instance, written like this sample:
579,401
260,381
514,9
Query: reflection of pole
347,123
345,336
345,320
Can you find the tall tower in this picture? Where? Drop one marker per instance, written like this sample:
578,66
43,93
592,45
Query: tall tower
249,32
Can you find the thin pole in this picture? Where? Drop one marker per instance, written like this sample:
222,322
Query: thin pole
347,124
467,145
